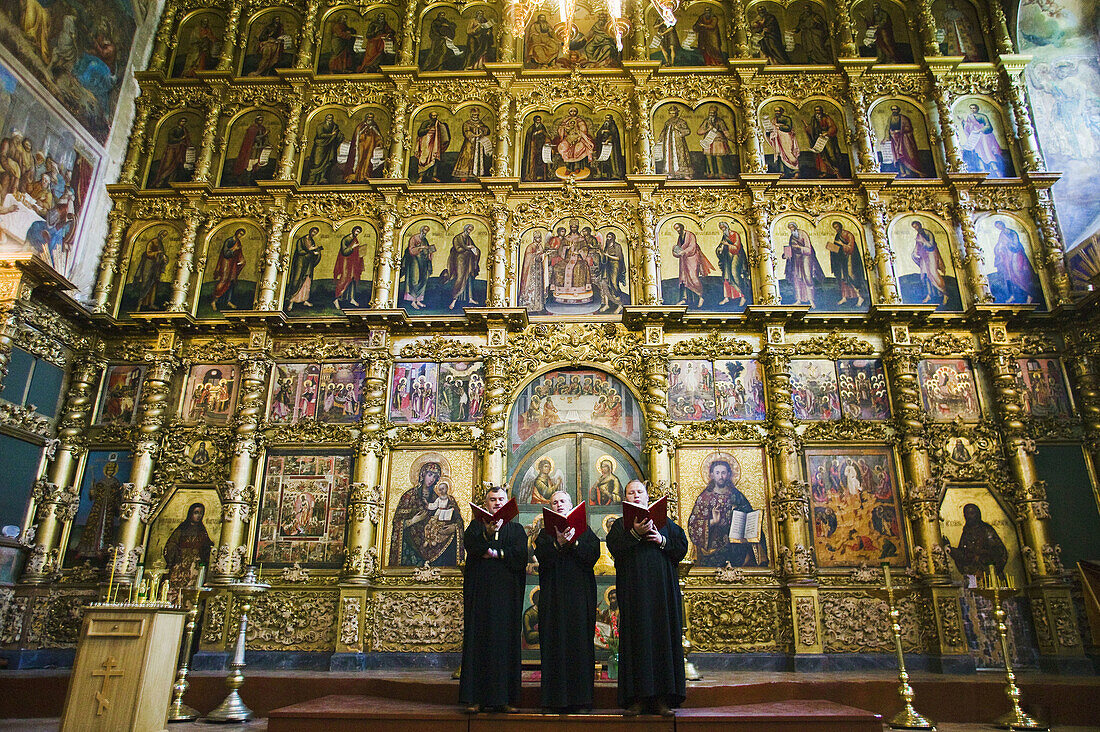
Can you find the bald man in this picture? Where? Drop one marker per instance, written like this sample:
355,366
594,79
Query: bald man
567,612
651,654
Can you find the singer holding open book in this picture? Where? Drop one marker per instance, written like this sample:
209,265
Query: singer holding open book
567,551
651,655
492,598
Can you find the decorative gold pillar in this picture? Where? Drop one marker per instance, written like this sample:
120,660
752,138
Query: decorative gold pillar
138,146
927,28
754,155
641,50
117,224
381,297
137,496
238,493
644,148
492,443
1081,362
397,145
1053,254
1014,89
845,30
884,252
866,161
948,133
209,134
58,496
762,255
166,34
292,142
972,255
738,31
230,41
504,133
999,24
409,34
498,258
659,443
185,264
649,253
272,261
366,495
307,35
508,35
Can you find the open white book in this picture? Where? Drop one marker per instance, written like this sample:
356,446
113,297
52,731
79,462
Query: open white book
745,527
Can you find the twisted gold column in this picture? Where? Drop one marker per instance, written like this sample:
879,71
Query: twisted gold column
307,36
382,297
492,442
659,443
142,110
210,124
409,34
972,255
185,264
117,223
292,143
166,33
230,40
498,257
366,495
649,253
269,274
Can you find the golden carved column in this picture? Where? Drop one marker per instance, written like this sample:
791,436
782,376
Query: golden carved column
272,261
790,499
307,36
845,30
138,144
1082,365
754,155
641,50
1053,254
366,493
1016,93
166,33
927,23
292,142
409,34
948,133
209,134
649,253
185,264
493,442
117,223
884,252
230,39
498,258
999,25
504,133
137,497
381,297
398,144
760,221
513,15
644,148
238,493
58,496
865,157
659,443
972,255
738,30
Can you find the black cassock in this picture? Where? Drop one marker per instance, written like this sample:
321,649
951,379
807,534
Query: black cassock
492,599
651,652
567,619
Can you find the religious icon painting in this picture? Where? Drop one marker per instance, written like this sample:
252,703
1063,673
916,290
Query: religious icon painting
739,389
924,262
805,143
691,276
948,389
233,254
182,535
121,392
550,468
1008,261
271,43
303,509
461,391
695,144
724,496
201,453
1042,385
210,394
603,470
413,392
294,392
451,41
982,142
863,393
882,32
340,393
903,145
254,141
198,44
358,44
574,268
814,389
452,146
854,496
329,268
691,390
805,247
695,36
444,268
93,528
175,150
530,618
959,30
766,37
574,142
428,507
149,276
592,44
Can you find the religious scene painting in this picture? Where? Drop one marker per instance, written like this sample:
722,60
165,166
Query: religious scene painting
697,38
232,269
982,142
340,393
691,390
358,44
330,268
798,34
437,392
452,147
303,510
808,142
329,392
590,44
413,392
948,389
147,286
253,144
46,173
345,147
444,268
578,399
959,30
573,142
209,394
77,51
120,394
691,275
183,534
854,498
924,262
1042,386
723,506
198,44
882,32
92,531
695,144
1008,261
175,150
814,389
902,146
272,43
724,389
805,246
545,471
454,41
428,507
863,393
574,267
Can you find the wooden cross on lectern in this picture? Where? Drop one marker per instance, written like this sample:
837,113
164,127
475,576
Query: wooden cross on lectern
107,673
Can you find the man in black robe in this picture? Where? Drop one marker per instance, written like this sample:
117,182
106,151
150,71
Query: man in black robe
492,599
567,612
651,652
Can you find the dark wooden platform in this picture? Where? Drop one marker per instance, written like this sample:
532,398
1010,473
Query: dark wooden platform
338,713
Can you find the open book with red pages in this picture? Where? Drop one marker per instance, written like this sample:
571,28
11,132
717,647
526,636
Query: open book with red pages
577,519
657,513
505,513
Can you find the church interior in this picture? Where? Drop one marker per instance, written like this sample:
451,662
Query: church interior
286,285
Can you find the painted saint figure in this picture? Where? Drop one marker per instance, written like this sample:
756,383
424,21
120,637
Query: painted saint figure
479,41
432,138
573,143
708,38
734,265
826,156
881,26
540,46
99,528
979,545
769,36
532,282
847,265
149,271
427,525
269,47
610,161
228,271
694,265
714,133
982,153
674,146
607,490
813,35
348,271
463,266
926,255
441,37
535,167
306,256
416,268
711,517
188,545
250,156
475,157
171,166
903,143
367,152
802,270
780,135
322,157
1018,277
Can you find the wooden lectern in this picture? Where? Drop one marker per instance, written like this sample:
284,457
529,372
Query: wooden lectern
125,663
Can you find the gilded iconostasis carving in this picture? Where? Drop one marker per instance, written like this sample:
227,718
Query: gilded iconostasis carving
792,263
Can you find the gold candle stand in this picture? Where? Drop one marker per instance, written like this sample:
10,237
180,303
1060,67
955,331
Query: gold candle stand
690,672
990,587
178,711
908,717
233,708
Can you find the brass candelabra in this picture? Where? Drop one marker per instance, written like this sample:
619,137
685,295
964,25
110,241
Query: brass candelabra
233,708
908,717
177,710
690,672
